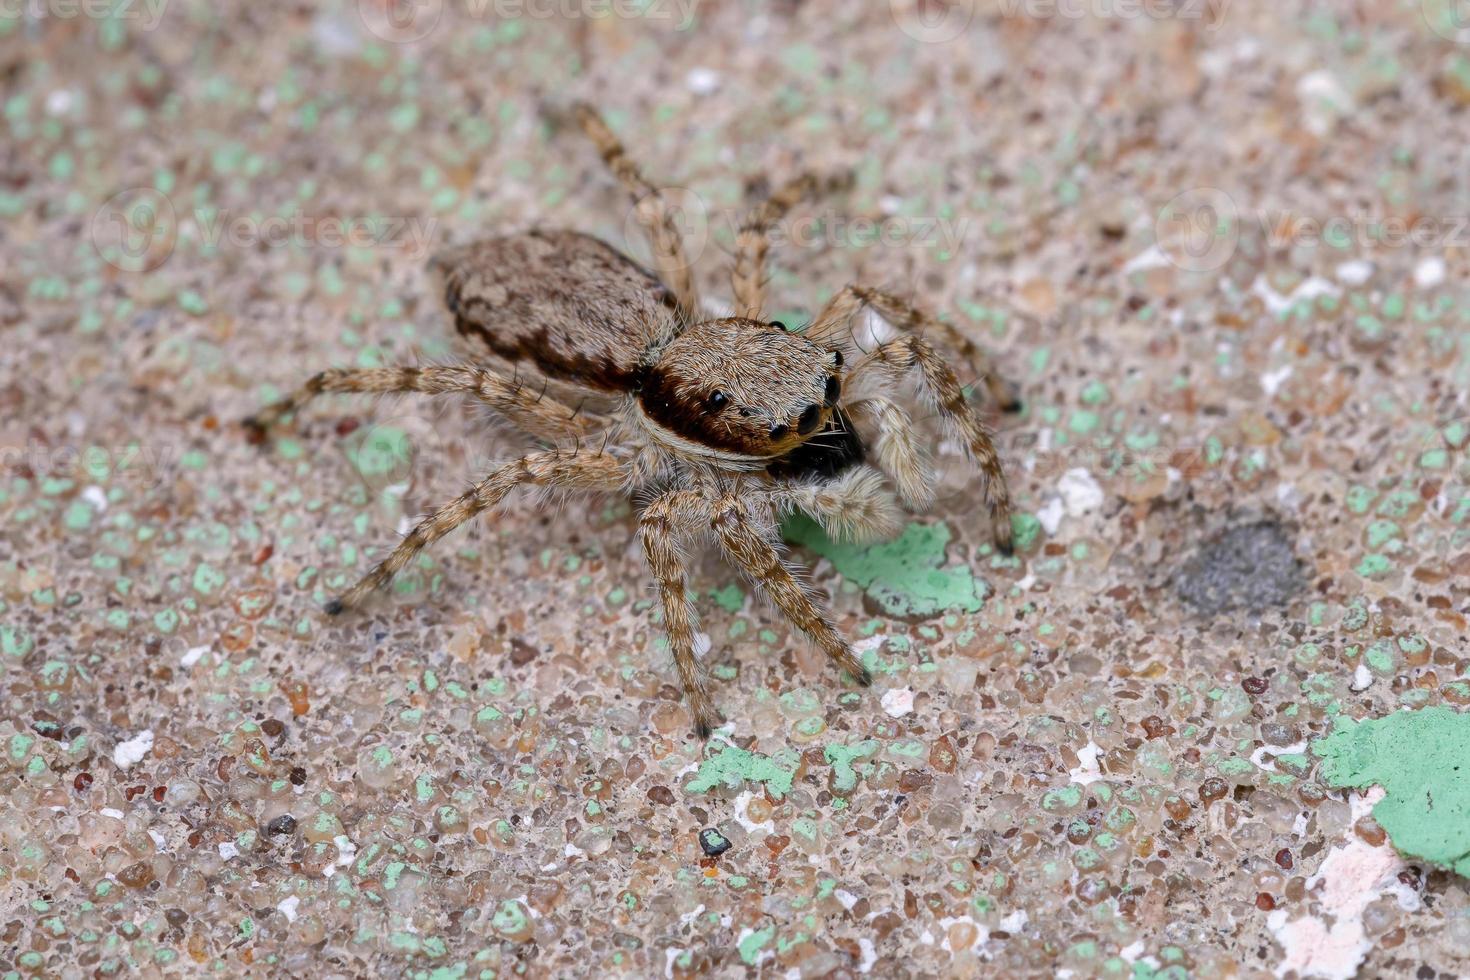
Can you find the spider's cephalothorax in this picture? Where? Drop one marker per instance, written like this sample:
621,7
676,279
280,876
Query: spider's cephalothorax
723,424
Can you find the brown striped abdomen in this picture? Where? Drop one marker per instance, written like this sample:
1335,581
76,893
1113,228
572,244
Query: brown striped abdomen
570,306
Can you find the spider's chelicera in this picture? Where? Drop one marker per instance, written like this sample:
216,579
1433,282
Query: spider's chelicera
718,427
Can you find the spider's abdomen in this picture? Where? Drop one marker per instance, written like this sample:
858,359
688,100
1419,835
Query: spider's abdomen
826,454
566,304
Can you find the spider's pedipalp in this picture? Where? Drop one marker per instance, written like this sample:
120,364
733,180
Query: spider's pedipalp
897,357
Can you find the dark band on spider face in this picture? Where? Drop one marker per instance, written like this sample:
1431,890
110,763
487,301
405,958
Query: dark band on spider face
694,416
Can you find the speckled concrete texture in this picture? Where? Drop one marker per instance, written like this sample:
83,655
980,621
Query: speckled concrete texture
1220,248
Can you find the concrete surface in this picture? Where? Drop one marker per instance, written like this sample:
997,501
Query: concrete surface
1222,251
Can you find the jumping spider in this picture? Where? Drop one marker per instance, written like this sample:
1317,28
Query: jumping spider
721,425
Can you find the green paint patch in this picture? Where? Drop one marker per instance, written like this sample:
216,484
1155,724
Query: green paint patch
732,766
905,576
1422,761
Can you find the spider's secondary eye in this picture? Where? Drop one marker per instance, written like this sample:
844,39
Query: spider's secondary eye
834,391
837,358
778,324
778,432
716,401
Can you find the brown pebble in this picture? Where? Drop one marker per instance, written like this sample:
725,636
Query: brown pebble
914,779
1212,789
136,875
1283,859
661,795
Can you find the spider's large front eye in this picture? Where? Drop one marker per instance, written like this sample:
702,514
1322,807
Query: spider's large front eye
834,391
716,401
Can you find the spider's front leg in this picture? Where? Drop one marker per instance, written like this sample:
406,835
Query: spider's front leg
755,554
855,506
665,524
570,470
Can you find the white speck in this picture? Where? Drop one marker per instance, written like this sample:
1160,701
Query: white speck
1324,101
870,954
1015,922
1079,491
1429,272
701,644
1132,951
1355,273
346,850
1362,677
572,851
847,898
1258,757
1152,257
1050,515
227,851
59,102
890,203
95,496
670,955
742,814
288,905
702,81
688,917
1087,771
1272,381
899,701
1307,291
191,656
131,752
158,839
1352,876
108,811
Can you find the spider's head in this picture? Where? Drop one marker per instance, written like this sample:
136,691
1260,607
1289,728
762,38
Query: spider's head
741,389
